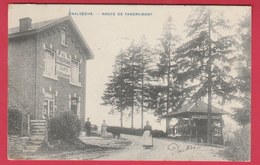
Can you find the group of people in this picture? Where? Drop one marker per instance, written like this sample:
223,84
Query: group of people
147,135
103,128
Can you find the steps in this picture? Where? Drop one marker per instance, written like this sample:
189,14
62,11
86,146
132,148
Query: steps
38,129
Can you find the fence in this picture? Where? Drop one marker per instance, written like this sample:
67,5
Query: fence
18,123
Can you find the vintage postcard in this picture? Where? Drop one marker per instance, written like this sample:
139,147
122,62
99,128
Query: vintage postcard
129,82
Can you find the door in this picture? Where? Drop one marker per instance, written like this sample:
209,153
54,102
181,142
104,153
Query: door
74,105
48,106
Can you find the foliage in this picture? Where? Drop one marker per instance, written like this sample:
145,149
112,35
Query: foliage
14,121
126,87
205,61
165,93
64,127
207,55
243,80
239,147
133,131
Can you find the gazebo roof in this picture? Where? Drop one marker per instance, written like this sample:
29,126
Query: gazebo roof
198,107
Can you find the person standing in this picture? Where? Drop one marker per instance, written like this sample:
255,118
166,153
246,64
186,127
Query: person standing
104,129
147,136
88,127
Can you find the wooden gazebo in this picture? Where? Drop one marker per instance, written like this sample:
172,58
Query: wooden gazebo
192,122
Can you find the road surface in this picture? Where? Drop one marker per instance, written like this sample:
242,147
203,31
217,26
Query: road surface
165,149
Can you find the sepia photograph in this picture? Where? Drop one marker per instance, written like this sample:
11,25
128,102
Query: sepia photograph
129,82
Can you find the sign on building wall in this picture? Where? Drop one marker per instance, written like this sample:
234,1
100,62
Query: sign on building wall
205,117
63,64
63,71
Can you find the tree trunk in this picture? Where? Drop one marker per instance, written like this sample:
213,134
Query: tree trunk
209,131
132,110
168,93
168,125
121,95
132,116
121,117
142,102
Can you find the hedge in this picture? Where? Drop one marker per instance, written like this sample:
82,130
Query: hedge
133,131
14,121
240,146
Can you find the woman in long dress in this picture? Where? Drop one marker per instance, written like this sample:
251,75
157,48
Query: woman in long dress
147,136
104,129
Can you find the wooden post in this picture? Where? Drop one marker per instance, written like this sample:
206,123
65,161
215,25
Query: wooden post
221,130
29,125
22,125
46,131
196,135
168,125
190,128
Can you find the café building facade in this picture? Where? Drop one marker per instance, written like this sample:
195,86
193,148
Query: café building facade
47,68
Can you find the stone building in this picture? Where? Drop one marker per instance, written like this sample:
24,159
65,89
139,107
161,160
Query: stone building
47,68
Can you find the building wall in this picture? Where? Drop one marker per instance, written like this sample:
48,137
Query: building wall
21,73
61,88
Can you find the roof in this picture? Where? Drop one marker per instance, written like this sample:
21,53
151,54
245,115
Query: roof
35,26
198,107
40,26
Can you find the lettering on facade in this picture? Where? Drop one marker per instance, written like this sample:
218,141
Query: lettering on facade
63,64
63,71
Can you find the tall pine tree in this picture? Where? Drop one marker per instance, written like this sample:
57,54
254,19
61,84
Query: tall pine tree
116,93
128,86
165,93
205,61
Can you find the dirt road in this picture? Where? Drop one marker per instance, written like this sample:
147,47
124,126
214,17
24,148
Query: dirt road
165,149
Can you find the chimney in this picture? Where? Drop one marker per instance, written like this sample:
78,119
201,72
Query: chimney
25,24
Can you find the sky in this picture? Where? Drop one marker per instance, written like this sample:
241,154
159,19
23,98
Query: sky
108,29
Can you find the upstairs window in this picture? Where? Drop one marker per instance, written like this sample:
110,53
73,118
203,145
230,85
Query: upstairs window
50,64
63,37
75,71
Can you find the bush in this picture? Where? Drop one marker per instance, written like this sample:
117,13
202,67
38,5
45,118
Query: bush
14,121
159,133
239,147
64,127
133,131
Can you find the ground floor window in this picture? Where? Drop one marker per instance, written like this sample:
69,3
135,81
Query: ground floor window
74,105
48,107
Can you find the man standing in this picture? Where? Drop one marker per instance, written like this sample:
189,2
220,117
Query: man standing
88,127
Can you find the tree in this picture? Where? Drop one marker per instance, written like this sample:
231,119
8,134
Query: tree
242,115
127,86
166,94
138,65
115,94
145,64
205,61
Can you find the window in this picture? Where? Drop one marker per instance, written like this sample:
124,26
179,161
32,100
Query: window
63,37
48,107
75,71
50,64
74,105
